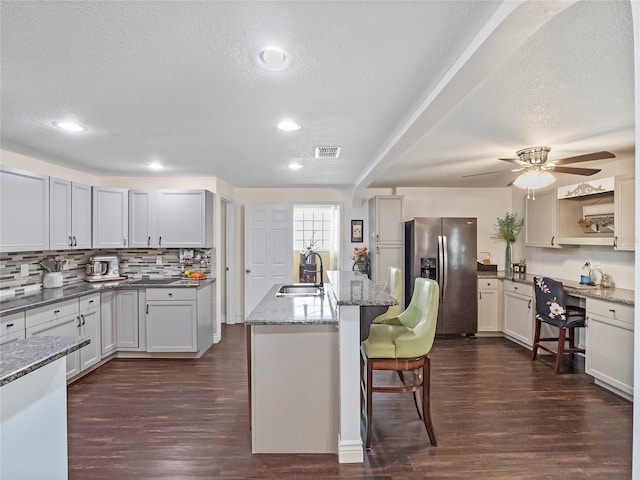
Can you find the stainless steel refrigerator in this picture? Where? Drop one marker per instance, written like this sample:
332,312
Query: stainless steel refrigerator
444,249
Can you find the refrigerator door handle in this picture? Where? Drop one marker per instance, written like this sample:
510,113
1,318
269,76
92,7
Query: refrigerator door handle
445,267
440,263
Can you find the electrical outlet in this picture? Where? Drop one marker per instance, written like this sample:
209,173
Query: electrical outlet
159,260
24,270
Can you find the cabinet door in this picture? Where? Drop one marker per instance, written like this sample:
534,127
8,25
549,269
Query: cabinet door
624,200
609,352
81,215
386,256
184,219
127,328
389,224
143,219
172,326
60,236
107,323
24,211
489,309
541,220
90,327
110,217
63,327
518,317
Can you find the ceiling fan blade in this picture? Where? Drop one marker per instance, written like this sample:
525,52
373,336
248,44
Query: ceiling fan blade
585,158
577,171
512,160
485,173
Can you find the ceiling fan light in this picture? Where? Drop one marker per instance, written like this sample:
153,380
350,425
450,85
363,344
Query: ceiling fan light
533,179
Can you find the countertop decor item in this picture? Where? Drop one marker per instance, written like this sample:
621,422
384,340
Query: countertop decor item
508,229
361,259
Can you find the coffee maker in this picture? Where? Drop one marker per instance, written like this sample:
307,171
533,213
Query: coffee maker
102,268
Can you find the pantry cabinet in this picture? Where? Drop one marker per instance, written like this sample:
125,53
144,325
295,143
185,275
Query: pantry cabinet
489,302
110,217
24,211
609,347
171,218
386,235
70,215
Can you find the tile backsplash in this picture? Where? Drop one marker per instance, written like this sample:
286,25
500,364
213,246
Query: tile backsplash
134,263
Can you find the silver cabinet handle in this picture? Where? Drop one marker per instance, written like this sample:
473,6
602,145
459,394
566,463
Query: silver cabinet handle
124,241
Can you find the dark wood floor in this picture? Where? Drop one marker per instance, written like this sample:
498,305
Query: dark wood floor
496,414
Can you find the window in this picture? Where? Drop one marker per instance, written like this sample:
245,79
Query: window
312,227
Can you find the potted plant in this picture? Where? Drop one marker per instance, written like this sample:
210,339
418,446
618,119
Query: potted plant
508,229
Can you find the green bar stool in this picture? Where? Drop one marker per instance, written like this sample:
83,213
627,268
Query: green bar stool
402,344
393,286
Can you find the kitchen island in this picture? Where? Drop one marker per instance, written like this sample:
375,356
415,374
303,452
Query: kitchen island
305,368
33,407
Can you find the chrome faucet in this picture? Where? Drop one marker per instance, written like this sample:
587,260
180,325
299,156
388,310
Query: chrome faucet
320,283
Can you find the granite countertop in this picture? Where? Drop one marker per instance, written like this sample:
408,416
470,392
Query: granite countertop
616,295
45,296
19,358
294,310
354,288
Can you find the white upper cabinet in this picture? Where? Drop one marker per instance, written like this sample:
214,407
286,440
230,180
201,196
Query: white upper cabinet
143,223
70,215
624,206
110,217
171,218
24,211
541,220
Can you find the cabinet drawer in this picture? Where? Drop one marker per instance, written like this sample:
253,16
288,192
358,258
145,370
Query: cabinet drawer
515,287
486,283
171,294
615,311
12,323
51,312
12,337
90,301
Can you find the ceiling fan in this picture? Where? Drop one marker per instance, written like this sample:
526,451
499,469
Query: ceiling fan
535,169
534,160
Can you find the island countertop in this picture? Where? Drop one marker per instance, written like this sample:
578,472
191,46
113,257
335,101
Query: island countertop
353,288
19,358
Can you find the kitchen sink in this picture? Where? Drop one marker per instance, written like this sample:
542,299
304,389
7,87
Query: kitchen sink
300,290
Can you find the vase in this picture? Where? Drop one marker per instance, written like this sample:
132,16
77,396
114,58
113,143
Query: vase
361,267
507,259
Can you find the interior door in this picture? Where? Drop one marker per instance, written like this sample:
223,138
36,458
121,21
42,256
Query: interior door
268,250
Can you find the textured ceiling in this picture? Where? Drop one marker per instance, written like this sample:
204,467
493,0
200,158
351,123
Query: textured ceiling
177,82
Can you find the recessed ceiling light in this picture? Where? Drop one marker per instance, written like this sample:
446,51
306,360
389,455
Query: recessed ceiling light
288,125
272,58
70,126
155,166
295,166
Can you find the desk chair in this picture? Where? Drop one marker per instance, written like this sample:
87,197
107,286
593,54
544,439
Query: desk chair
552,309
402,344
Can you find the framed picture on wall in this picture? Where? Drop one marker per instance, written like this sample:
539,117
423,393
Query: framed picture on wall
356,231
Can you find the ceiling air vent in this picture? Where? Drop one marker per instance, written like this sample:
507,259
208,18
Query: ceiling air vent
328,152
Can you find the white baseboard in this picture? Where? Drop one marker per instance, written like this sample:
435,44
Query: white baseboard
350,451
223,318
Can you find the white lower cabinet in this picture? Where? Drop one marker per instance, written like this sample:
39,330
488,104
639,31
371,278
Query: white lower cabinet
518,312
108,310
489,318
70,318
609,352
12,328
172,320
127,320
